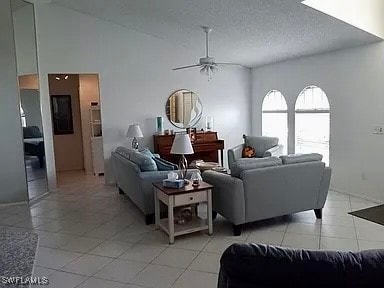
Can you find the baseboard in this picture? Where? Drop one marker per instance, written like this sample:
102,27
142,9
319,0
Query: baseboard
364,197
14,204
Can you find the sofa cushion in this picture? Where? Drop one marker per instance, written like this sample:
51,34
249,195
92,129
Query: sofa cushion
124,151
164,165
301,158
144,162
253,163
161,164
261,143
258,265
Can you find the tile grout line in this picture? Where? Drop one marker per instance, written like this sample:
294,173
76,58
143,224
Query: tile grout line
285,230
354,225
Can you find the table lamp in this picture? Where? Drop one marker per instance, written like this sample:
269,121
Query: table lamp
182,146
134,132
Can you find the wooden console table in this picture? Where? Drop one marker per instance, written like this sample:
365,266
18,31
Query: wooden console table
206,146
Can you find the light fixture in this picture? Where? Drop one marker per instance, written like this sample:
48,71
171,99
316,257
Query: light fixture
182,146
134,132
208,70
57,78
66,77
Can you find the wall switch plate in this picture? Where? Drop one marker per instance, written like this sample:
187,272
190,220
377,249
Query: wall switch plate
378,130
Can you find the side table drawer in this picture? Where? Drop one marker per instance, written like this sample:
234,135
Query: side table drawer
190,198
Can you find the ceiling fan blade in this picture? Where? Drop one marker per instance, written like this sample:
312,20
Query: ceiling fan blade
186,67
224,63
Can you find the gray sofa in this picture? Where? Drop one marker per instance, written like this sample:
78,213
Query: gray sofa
134,174
264,146
265,188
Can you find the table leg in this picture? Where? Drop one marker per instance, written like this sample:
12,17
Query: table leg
171,223
210,223
222,157
157,209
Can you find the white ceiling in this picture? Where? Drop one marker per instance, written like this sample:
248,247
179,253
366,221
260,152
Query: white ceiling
250,32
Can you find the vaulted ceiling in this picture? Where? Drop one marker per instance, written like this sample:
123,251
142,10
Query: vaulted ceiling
250,32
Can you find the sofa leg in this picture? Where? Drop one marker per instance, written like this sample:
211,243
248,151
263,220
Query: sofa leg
150,219
214,215
121,191
318,213
237,229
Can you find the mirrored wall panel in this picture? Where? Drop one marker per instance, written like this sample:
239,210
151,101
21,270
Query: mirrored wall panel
30,106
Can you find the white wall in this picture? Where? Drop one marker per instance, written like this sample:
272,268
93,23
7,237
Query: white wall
88,92
135,77
24,26
13,183
353,82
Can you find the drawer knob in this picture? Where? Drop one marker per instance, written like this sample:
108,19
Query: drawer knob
190,198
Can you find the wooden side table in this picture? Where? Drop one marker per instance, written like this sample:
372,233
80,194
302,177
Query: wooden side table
188,195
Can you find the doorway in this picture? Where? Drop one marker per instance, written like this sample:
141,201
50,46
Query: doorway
76,122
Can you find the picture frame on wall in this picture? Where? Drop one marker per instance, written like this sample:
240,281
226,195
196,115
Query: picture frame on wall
62,118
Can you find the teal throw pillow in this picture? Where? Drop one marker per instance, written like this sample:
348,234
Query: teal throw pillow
164,165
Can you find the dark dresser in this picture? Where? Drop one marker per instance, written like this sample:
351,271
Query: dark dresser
206,146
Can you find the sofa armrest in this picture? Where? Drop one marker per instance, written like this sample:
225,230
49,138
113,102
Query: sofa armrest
228,196
234,154
324,187
274,151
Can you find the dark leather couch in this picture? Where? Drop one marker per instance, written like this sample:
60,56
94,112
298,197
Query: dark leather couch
256,266
34,143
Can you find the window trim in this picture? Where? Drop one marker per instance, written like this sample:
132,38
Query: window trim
313,111
275,111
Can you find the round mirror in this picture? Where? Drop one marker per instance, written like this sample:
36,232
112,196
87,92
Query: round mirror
184,109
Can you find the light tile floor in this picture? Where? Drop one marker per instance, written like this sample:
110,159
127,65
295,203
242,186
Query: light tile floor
90,236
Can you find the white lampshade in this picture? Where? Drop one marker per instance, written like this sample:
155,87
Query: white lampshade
182,145
134,131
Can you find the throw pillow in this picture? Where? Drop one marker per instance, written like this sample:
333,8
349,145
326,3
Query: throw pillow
164,165
147,153
248,152
143,161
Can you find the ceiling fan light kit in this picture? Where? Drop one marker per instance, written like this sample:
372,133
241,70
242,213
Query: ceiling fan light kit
207,64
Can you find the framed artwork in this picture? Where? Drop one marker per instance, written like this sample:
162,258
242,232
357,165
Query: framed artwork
62,119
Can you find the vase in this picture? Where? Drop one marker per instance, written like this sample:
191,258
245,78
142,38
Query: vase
160,125
209,123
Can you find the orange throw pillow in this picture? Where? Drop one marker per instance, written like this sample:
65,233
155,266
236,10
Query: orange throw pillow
248,152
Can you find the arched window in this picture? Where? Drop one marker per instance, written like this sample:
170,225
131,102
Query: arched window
312,122
275,117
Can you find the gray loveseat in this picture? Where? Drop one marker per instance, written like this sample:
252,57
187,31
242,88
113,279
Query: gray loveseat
265,188
264,146
134,174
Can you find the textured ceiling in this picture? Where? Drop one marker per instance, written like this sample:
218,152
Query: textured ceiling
250,32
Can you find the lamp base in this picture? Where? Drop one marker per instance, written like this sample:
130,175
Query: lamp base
135,144
183,166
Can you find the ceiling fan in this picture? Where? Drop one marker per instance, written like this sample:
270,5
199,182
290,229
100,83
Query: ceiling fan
207,64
